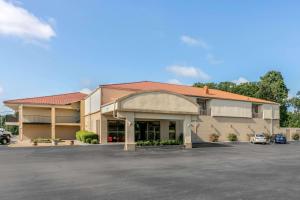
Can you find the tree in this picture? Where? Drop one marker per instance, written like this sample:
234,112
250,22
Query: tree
272,87
209,85
247,89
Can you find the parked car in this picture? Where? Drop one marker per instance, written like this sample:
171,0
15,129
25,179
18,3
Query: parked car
259,138
4,138
3,131
278,139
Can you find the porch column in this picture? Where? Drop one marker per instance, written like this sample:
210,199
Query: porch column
21,122
103,129
53,122
187,132
129,132
164,129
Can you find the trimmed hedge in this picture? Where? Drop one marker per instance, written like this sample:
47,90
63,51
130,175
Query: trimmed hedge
232,137
86,137
157,143
296,136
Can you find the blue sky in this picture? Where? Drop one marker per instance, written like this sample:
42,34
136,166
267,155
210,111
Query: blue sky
55,46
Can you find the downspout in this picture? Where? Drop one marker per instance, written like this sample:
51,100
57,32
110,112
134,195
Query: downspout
271,128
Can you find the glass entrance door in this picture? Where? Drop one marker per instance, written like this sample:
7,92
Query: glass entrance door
147,130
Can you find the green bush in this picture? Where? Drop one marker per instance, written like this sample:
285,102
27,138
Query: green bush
232,137
94,141
157,143
88,140
86,137
296,136
214,137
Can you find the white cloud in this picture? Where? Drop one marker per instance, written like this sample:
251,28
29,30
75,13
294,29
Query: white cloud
191,41
188,71
1,90
86,91
16,21
240,80
213,60
174,81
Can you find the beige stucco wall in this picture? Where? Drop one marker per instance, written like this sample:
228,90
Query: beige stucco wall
66,132
109,95
230,108
267,111
91,121
32,131
36,111
223,126
161,102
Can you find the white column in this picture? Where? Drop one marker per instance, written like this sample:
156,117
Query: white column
164,129
103,129
187,131
21,122
53,122
129,132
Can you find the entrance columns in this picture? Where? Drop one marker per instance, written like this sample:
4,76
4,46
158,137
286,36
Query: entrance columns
53,121
129,132
187,132
164,129
20,122
103,129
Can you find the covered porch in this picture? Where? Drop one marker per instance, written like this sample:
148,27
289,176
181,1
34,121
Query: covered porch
154,115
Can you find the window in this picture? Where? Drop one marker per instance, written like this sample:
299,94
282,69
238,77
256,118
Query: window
147,130
172,131
256,111
116,131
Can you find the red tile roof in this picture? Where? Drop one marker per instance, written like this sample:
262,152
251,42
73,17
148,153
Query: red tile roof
60,99
184,90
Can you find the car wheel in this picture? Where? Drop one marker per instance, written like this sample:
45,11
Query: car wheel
4,141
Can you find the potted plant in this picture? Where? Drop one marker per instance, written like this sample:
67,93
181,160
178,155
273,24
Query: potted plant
214,137
35,143
232,137
55,142
296,137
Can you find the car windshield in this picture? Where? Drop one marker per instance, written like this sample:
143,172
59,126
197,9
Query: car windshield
260,135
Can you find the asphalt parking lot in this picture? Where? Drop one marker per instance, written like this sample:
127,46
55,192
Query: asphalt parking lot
240,171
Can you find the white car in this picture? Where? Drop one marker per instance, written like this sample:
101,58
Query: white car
258,139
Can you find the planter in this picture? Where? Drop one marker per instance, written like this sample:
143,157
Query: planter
54,142
72,142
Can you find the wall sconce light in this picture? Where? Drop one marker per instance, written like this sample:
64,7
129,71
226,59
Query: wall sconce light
129,123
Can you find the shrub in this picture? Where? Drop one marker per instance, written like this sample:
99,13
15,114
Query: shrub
94,141
214,137
86,137
296,136
157,143
267,136
88,140
232,137
180,139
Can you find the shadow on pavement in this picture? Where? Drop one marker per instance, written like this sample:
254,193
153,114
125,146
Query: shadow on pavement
208,144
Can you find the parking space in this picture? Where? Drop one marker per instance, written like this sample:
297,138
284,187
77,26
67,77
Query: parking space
241,171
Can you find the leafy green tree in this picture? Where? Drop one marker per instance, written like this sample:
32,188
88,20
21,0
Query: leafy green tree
248,89
272,87
209,85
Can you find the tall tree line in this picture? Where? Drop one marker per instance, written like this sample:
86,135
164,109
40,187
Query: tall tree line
270,87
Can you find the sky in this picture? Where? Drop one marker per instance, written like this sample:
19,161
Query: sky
53,46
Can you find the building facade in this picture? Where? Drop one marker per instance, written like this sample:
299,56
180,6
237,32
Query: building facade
132,112
53,117
149,110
